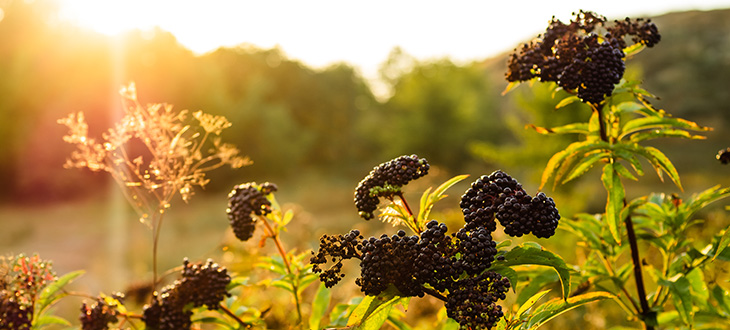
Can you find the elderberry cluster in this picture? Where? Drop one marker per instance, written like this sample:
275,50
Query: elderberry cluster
12,314
243,201
98,315
473,301
201,284
576,58
499,196
386,180
434,261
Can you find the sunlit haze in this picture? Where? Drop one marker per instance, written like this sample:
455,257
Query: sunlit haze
361,33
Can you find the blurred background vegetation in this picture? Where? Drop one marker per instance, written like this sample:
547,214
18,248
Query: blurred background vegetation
315,132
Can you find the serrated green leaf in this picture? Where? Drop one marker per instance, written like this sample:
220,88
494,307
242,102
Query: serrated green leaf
319,306
566,101
658,160
623,171
533,254
557,306
615,200
657,122
631,158
664,133
531,302
537,282
573,152
585,164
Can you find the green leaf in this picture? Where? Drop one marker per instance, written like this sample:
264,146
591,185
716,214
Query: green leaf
236,282
536,283
627,107
658,160
373,311
319,306
578,128
531,253
505,243
679,285
48,295
698,284
585,164
512,85
45,320
634,49
531,302
554,168
274,264
566,101
615,200
724,242
645,123
623,171
655,134
555,307
428,199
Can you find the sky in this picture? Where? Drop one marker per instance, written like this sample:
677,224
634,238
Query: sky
361,33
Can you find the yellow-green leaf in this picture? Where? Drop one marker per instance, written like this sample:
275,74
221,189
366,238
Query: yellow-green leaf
615,200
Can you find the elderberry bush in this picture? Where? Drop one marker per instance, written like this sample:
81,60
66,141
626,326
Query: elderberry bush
453,266
585,56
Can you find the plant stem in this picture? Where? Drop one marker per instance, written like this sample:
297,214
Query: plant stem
408,208
638,276
645,312
280,247
232,315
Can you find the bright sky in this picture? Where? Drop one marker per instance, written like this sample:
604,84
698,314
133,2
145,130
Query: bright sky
362,33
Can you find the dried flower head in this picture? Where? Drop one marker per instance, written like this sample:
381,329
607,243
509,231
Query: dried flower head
153,152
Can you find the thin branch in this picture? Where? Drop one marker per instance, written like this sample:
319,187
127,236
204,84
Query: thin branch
410,212
234,316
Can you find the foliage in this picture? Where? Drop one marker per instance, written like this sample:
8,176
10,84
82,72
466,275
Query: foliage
614,137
